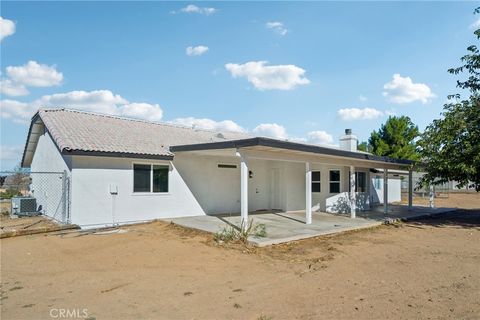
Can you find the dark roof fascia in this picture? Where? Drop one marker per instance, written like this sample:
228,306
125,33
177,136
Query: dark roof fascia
34,119
267,142
116,154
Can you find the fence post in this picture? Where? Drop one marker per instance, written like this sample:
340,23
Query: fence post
64,196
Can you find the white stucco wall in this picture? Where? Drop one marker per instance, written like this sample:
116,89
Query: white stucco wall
47,158
93,204
394,189
47,185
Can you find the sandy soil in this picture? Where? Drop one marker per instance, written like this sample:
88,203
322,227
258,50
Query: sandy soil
423,269
25,224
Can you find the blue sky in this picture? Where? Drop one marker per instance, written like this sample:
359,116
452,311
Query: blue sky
299,71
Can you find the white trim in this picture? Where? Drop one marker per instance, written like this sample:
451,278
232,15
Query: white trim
308,193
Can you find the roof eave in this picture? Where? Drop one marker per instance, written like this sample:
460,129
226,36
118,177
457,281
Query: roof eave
117,154
35,117
274,143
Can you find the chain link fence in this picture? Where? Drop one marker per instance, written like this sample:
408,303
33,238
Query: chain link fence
34,193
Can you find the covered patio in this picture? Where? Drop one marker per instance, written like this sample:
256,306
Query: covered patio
290,226
288,176
296,190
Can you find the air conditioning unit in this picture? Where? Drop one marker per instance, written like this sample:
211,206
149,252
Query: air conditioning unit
24,206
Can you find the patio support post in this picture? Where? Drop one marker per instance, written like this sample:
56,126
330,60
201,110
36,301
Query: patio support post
353,200
308,193
244,190
410,189
385,191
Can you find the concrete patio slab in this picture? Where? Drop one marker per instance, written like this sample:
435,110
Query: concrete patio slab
290,226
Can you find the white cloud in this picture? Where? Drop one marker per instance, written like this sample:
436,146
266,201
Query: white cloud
271,130
8,152
34,74
102,101
390,112
196,51
402,90
16,111
279,77
12,89
142,111
276,131
348,114
277,27
362,98
476,24
7,28
209,124
191,8
320,137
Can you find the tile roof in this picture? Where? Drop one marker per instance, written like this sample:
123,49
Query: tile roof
74,130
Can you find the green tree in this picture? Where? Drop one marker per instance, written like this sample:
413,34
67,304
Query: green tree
395,139
364,146
450,146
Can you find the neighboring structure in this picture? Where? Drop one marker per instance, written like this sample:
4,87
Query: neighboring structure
125,170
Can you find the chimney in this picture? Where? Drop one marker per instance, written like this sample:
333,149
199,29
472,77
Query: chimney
348,141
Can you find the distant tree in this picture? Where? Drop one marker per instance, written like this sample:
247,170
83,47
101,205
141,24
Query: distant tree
13,184
450,146
364,146
395,139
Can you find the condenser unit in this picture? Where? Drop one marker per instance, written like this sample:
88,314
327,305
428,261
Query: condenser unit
24,206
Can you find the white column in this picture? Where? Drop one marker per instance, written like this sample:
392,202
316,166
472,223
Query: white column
385,191
244,190
432,196
308,193
353,203
410,189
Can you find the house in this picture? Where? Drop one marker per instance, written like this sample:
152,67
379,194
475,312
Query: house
121,170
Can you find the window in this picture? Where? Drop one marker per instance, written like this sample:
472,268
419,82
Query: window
150,178
160,178
360,182
334,181
141,178
316,187
378,182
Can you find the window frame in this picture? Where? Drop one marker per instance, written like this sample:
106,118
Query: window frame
319,181
365,186
151,192
335,181
357,173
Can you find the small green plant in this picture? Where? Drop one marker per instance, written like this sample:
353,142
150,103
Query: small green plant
232,233
10,193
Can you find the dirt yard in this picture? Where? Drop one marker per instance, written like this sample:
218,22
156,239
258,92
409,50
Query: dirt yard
426,269
452,200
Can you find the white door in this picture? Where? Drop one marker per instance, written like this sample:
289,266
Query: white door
275,189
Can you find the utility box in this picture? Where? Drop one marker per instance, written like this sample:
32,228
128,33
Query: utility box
24,206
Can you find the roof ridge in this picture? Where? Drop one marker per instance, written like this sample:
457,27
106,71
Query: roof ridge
161,123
